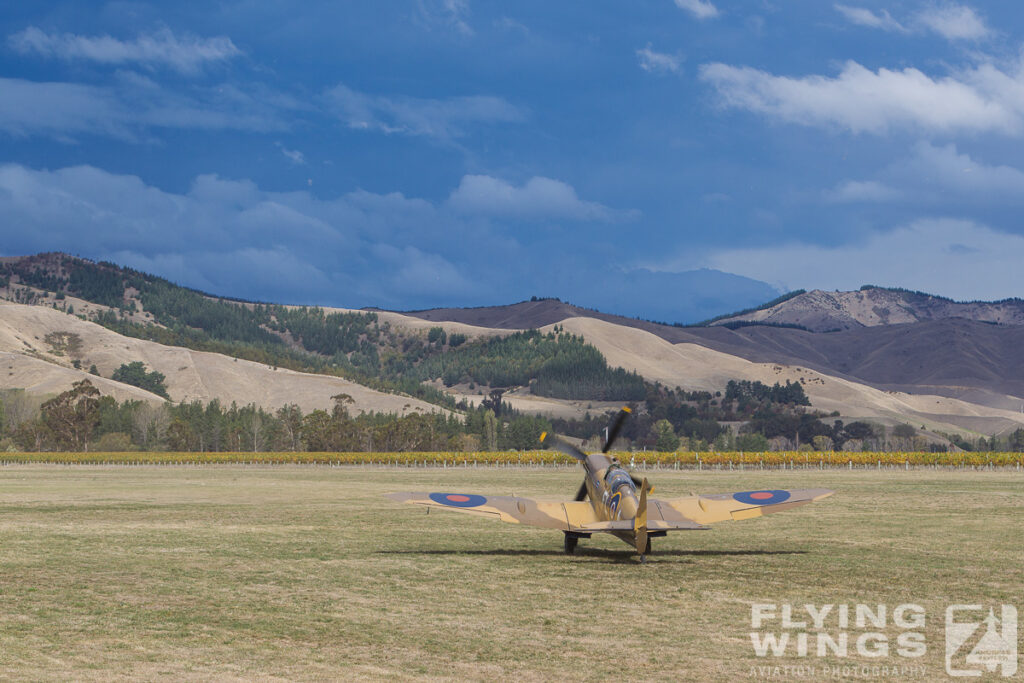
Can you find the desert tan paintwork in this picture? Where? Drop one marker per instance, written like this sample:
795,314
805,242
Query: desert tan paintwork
616,505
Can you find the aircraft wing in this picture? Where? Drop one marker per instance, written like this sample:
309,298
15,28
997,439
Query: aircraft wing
567,516
718,507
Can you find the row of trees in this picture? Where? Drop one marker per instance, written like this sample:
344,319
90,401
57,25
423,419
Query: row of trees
82,420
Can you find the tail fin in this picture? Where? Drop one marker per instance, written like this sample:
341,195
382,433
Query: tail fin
640,521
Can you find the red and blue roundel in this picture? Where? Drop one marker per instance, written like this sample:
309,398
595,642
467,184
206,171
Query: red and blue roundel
768,497
458,500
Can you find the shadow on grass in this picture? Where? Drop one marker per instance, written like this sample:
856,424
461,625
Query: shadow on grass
615,555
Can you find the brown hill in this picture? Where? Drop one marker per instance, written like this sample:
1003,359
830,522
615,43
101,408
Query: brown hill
938,352
821,311
38,361
695,366
896,355
521,316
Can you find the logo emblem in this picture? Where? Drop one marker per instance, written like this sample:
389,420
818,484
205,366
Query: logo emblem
458,500
978,643
768,497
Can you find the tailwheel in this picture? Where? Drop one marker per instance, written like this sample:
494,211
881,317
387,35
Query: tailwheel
570,544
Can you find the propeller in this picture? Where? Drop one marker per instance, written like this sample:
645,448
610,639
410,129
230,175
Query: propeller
552,441
613,431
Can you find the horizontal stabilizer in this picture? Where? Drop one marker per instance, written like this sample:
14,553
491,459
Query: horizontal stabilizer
652,525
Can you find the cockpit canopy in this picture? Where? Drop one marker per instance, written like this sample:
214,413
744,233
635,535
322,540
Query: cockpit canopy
617,478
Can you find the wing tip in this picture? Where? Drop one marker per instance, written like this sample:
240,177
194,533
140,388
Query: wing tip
402,497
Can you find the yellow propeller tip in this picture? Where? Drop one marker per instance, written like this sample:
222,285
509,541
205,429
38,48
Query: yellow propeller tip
626,409
543,435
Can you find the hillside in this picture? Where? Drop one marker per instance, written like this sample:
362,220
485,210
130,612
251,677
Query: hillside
35,365
698,367
947,354
821,311
895,357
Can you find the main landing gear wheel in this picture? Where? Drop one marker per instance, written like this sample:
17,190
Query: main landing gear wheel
570,544
647,550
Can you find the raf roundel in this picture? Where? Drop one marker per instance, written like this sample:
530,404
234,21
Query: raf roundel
458,500
769,497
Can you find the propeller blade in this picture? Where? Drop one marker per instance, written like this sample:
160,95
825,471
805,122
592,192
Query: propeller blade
552,441
582,493
640,522
613,432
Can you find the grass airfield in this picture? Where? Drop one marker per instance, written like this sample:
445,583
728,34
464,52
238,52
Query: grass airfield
303,572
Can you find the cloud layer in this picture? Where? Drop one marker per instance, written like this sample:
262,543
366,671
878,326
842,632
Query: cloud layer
937,175
185,54
438,118
982,99
957,258
951,21
133,105
543,198
658,61
229,236
702,9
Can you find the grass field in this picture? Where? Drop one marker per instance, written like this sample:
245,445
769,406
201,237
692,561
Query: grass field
303,572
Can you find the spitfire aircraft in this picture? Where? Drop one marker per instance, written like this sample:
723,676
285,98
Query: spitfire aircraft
613,501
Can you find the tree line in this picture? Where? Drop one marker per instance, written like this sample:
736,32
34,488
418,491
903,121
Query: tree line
80,419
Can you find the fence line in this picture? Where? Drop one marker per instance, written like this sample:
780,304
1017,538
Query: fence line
735,461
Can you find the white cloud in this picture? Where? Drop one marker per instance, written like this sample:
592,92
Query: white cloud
458,12
446,14
362,247
865,17
539,197
862,191
59,109
510,24
954,22
951,21
293,155
981,99
438,118
186,54
658,61
937,175
131,106
946,171
702,9
955,258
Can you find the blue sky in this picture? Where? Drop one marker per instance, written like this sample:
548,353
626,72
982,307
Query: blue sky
666,159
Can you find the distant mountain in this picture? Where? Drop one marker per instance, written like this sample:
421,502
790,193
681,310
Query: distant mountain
519,316
890,354
889,339
821,311
684,297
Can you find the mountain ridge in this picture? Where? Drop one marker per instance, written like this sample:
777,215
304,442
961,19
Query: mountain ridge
922,349
823,311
